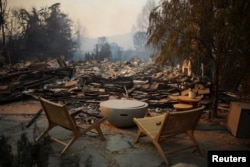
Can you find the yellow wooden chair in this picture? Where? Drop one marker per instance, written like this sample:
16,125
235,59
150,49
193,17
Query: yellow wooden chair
161,127
58,115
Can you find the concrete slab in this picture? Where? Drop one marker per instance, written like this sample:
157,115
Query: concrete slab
92,157
118,142
119,150
138,158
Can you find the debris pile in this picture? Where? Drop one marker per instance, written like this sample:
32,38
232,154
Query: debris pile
93,81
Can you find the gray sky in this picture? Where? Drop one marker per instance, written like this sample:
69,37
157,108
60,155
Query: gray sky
99,17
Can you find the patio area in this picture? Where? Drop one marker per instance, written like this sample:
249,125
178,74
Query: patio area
119,149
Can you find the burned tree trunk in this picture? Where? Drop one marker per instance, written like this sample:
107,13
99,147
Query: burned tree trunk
216,90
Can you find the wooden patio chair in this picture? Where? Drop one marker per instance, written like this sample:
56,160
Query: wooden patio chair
170,124
58,115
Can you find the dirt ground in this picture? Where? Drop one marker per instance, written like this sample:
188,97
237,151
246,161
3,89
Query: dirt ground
119,149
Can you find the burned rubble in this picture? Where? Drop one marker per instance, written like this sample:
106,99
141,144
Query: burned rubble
82,84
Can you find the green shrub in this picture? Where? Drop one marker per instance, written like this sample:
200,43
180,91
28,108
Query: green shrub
6,154
28,154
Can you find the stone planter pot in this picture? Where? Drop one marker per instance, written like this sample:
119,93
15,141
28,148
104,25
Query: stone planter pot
120,112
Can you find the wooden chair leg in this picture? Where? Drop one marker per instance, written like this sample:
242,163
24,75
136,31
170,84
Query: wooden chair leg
69,144
94,128
45,132
99,131
161,152
139,133
191,136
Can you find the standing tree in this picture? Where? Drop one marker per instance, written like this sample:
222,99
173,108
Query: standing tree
32,29
140,40
140,36
3,5
203,32
116,52
47,30
80,31
59,31
102,49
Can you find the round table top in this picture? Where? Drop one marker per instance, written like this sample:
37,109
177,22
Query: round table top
123,104
181,106
188,99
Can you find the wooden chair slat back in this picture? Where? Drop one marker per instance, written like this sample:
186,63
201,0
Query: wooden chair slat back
57,114
180,122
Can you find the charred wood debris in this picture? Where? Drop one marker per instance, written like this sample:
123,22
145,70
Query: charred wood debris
83,85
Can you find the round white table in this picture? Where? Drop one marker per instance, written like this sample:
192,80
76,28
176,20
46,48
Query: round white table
120,112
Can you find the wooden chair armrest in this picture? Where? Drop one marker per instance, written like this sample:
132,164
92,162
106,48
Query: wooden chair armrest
157,120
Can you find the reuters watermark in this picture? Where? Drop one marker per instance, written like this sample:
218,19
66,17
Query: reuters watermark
229,158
